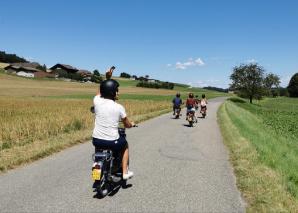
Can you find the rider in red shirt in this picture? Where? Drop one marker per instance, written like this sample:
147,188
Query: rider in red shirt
190,103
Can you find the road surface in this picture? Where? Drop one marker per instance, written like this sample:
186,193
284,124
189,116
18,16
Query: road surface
177,169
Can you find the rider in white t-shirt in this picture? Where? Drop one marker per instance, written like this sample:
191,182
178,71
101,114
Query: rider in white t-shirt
203,103
108,113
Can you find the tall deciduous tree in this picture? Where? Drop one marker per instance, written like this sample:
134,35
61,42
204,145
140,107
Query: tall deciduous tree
293,86
125,75
248,80
270,81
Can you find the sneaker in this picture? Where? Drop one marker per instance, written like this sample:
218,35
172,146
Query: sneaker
128,175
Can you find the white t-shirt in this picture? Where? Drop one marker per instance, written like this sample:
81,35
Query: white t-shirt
108,113
203,102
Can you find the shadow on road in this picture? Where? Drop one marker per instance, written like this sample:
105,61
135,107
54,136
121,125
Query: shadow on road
187,125
175,118
113,189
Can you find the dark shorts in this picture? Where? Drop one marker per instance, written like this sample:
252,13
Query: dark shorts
116,146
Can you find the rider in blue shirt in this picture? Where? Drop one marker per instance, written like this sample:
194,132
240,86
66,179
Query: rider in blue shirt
177,102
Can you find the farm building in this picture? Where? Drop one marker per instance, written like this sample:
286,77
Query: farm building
63,70
25,74
42,74
85,74
142,78
64,67
27,70
26,64
21,70
152,80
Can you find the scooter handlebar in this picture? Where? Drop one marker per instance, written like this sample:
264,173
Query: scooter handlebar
92,109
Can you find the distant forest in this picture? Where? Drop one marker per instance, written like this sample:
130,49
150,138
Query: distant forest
216,89
10,58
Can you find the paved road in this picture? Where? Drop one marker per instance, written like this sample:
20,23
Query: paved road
177,169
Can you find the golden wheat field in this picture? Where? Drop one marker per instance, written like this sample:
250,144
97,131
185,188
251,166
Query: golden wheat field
29,126
27,120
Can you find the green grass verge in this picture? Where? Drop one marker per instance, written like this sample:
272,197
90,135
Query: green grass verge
126,82
279,114
277,142
265,164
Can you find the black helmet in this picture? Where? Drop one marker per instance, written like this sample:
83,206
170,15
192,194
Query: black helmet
178,95
109,88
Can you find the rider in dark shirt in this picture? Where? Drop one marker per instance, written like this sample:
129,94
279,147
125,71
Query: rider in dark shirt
176,102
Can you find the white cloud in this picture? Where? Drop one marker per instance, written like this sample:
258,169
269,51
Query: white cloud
180,66
189,63
199,62
251,60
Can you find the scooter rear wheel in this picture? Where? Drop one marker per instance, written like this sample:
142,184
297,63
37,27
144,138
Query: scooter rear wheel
102,189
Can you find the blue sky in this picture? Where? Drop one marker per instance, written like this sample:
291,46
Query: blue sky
196,42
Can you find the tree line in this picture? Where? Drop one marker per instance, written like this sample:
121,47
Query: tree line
217,89
250,81
156,85
11,58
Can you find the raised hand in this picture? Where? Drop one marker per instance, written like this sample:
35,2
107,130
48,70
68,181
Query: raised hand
109,72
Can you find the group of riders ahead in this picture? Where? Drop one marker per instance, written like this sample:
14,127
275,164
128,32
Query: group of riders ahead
107,137
192,105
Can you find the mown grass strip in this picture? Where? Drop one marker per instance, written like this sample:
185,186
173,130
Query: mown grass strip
277,149
263,188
